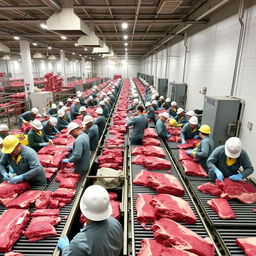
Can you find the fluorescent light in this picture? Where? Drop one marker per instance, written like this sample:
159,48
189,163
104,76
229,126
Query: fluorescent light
73,53
35,44
126,49
16,38
125,44
124,25
80,55
76,44
49,47
85,49
125,37
63,37
43,26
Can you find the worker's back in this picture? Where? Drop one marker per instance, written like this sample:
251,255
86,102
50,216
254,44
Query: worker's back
140,124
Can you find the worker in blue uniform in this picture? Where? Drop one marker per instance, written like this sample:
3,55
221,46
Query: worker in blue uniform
74,109
105,109
102,235
49,127
154,105
189,114
160,126
4,130
167,104
181,117
160,102
69,102
62,120
92,102
23,161
135,104
173,109
83,111
225,161
139,124
60,105
80,155
100,121
27,116
150,112
92,131
52,111
80,98
204,148
190,130
37,137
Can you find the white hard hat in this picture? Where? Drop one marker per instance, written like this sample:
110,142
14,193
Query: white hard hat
87,119
109,93
180,110
78,92
173,103
102,103
53,120
35,111
72,126
64,108
147,104
82,109
95,203
168,100
90,97
61,104
165,114
37,124
191,113
69,99
54,106
154,102
104,94
4,128
153,97
233,147
106,99
161,97
136,101
61,112
193,120
76,100
157,94
99,111
1,141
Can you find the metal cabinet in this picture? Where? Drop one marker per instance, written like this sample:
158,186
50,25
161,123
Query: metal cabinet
178,93
162,86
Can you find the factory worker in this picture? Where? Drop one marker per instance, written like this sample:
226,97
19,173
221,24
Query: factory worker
173,122
134,104
160,126
204,148
107,104
69,102
112,97
74,109
139,124
80,155
173,109
94,94
60,105
49,127
157,96
160,101
28,116
100,121
190,130
83,111
93,132
4,131
23,161
37,137
103,96
150,111
167,104
181,117
189,114
80,98
92,102
1,146
226,161
102,235
154,105
62,120
105,109
53,110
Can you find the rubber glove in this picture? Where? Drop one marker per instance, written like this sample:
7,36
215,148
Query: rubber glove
236,177
219,174
70,148
66,160
50,142
10,169
196,137
183,141
169,136
16,179
5,175
189,152
58,132
51,136
63,242
43,144
127,119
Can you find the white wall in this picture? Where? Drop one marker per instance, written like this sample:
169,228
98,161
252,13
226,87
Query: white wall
210,63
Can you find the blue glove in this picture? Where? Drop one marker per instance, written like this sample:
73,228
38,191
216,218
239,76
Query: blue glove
51,136
16,179
66,160
5,175
189,152
168,135
183,141
219,174
58,132
10,169
43,144
236,177
196,137
63,242
70,148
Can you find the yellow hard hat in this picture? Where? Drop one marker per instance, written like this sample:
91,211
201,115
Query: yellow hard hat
9,144
205,129
173,122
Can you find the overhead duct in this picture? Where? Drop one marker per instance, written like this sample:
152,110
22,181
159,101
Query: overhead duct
111,54
103,49
168,6
4,48
67,22
52,57
90,41
39,55
6,57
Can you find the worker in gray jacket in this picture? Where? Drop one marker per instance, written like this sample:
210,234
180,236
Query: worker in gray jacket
190,130
204,148
102,235
226,161
28,116
80,155
53,110
105,109
49,127
150,112
100,121
181,117
160,126
62,120
24,162
74,109
139,124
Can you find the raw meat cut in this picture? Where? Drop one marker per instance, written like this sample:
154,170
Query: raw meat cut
172,207
25,200
53,204
240,190
141,178
67,180
12,224
150,142
173,234
44,199
25,127
150,133
192,168
112,195
137,151
165,183
116,151
145,211
176,252
64,192
115,209
150,247
175,139
13,254
111,165
254,209
152,162
185,146
222,208
52,149
111,158
184,156
45,212
45,160
209,188
149,151
248,245
58,157
138,160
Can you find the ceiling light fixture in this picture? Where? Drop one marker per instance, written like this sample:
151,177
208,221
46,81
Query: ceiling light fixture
49,47
125,37
16,38
85,49
63,37
43,26
124,25
35,44
76,44
126,49
125,44
80,55
73,53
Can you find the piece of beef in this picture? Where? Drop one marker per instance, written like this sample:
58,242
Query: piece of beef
45,212
193,169
210,188
137,151
45,160
25,200
150,133
112,195
184,156
176,252
64,192
43,200
150,247
248,245
67,180
150,142
141,178
111,165
13,254
156,163
138,160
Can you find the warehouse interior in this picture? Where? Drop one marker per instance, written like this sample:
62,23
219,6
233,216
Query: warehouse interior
141,110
